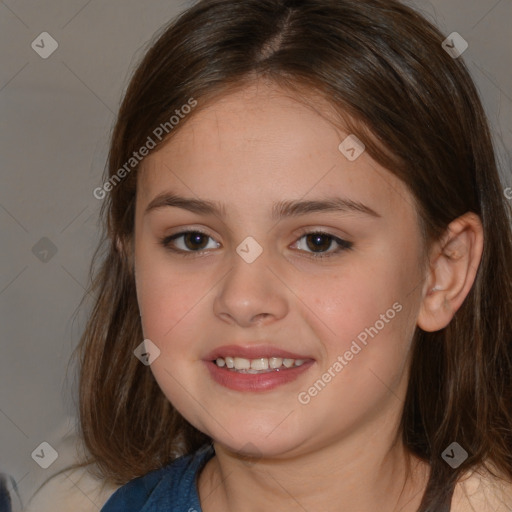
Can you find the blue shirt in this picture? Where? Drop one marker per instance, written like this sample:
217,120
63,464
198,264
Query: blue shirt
170,489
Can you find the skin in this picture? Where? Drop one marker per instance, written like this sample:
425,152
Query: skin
341,451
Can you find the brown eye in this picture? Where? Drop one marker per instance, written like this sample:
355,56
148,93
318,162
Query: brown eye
195,240
318,243
191,241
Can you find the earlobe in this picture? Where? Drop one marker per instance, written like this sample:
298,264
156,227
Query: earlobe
454,263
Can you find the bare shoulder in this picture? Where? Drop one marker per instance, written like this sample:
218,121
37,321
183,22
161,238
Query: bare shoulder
481,491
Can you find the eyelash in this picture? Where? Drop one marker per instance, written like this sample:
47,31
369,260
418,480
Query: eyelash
344,245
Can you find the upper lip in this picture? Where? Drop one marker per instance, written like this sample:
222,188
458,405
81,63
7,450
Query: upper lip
252,352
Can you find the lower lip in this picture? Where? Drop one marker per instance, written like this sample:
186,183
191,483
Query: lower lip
255,381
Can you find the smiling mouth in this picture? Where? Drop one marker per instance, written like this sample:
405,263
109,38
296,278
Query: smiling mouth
258,365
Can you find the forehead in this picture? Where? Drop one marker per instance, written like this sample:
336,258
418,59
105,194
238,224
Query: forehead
260,111
262,140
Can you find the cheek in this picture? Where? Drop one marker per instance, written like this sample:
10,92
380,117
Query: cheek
362,318
169,302
367,346
345,304
166,295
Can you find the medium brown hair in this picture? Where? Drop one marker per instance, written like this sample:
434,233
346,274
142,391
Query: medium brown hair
382,67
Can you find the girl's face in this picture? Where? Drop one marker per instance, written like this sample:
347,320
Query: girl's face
255,281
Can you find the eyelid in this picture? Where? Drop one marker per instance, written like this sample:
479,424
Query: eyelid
187,229
323,230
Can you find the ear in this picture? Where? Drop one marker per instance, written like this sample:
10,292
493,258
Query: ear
453,264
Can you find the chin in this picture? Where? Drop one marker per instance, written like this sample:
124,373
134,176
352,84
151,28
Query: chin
259,446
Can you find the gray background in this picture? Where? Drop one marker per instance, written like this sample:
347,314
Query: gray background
57,114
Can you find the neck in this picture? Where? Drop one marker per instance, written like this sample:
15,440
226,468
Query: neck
366,472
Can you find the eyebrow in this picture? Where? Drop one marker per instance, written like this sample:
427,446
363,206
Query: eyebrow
280,210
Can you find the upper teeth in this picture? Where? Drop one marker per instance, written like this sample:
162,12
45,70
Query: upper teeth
262,363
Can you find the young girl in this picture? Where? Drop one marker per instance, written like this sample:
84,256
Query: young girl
306,299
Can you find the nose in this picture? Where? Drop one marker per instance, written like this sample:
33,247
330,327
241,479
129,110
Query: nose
251,294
